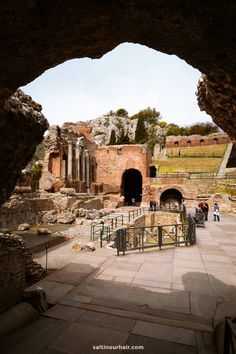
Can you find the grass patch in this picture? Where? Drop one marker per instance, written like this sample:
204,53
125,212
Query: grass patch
188,164
204,151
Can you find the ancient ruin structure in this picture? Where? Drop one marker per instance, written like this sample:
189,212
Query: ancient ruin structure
123,169
69,161
196,140
35,37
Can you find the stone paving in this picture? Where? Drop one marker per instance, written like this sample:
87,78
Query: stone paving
167,301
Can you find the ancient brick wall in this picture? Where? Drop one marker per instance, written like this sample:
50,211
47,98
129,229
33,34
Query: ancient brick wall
197,140
113,161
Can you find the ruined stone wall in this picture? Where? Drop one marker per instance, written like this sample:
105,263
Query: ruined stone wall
196,140
17,270
161,218
16,212
12,277
69,160
114,160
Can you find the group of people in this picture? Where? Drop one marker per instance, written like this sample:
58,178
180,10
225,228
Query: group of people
205,209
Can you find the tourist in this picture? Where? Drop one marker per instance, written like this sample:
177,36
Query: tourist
205,209
216,212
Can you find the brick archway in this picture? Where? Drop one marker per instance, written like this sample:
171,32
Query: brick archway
131,186
171,195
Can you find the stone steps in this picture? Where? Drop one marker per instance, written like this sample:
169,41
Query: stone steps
166,318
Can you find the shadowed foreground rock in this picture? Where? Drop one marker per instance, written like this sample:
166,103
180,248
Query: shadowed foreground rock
21,129
38,35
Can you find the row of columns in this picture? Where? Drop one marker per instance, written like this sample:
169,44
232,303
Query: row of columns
82,168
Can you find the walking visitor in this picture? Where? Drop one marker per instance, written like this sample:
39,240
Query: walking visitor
216,212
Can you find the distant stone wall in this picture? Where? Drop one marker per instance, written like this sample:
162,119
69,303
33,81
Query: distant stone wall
196,140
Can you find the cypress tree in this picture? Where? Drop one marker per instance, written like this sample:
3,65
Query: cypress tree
112,138
141,135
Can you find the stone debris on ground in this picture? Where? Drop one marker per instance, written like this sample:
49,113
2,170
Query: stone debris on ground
23,227
43,231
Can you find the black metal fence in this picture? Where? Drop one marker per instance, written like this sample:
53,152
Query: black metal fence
110,223
140,238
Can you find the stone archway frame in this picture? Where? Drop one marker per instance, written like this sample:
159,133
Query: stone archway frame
178,188
38,35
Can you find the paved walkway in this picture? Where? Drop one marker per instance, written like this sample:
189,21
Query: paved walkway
165,301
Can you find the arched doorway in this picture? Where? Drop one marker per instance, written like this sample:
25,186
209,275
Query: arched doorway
153,171
171,196
131,186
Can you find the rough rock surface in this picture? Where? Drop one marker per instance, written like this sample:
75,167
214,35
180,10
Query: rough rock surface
219,101
21,128
37,35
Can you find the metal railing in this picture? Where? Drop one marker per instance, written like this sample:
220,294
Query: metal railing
199,218
110,223
132,214
140,238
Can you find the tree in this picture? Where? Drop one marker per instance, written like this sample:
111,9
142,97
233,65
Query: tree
112,138
121,112
141,135
35,173
174,129
150,115
203,128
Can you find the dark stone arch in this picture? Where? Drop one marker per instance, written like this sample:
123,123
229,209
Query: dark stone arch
131,186
171,195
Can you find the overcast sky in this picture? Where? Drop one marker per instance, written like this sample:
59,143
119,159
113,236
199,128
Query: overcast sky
131,76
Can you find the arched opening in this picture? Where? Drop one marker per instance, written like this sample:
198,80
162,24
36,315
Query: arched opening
189,143
131,186
153,171
215,140
176,143
170,196
201,142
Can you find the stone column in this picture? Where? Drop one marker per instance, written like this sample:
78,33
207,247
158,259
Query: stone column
83,167
87,171
70,158
63,169
77,157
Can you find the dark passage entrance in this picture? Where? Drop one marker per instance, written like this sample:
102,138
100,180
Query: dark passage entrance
132,186
171,196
